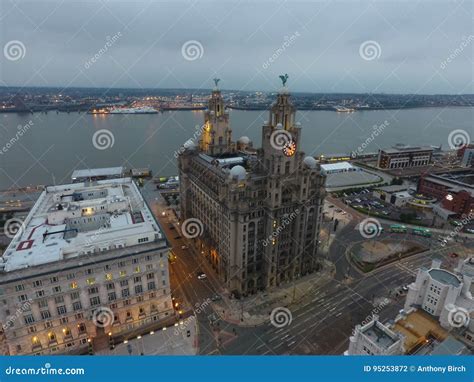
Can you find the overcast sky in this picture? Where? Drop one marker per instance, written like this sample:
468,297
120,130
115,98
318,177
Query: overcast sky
325,46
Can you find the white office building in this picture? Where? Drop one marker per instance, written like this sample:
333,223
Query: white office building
374,338
90,261
445,295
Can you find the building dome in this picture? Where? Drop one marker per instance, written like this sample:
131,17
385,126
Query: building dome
238,172
310,162
279,126
244,140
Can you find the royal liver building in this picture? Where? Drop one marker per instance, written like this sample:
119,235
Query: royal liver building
257,211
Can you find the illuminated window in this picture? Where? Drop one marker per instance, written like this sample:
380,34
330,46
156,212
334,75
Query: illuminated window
35,341
73,285
123,273
108,276
91,281
137,270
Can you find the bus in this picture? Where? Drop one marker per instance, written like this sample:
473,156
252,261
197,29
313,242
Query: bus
398,228
421,232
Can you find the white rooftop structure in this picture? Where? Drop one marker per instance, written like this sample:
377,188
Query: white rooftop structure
95,173
333,168
78,219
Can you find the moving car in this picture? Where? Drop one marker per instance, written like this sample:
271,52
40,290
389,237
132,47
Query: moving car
201,276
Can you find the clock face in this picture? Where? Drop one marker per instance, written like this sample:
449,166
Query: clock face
290,149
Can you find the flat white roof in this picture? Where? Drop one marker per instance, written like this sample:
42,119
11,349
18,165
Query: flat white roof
81,218
94,172
337,166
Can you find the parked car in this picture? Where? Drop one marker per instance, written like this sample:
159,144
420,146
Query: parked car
201,276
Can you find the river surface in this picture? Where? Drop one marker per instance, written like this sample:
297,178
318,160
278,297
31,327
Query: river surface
52,145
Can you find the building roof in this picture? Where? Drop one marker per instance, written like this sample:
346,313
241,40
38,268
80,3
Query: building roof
97,172
452,184
444,277
394,188
450,346
379,334
78,219
406,149
337,166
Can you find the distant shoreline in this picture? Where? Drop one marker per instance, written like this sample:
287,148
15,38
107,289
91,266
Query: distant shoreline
246,108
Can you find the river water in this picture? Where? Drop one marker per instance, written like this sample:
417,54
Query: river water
45,148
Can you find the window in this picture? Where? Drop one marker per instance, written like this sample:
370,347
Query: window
76,305
81,328
22,298
35,341
71,276
124,283
19,288
73,285
54,280
45,314
61,309
107,267
151,285
40,293
43,303
110,286
143,240
57,289
134,261
125,292
93,290
90,281
29,319
123,273
95,300
59,299
37,283
137,279
89,271
150,276
137,270
138,289
112,296
108,276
